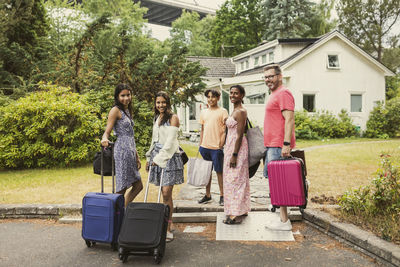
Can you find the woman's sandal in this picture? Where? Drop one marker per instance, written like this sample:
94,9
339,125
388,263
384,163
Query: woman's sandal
229,220
170,237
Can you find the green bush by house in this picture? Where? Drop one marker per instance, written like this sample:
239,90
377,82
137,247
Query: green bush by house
384,120
50,127
323,124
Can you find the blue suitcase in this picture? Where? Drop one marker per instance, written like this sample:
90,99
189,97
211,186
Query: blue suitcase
102,215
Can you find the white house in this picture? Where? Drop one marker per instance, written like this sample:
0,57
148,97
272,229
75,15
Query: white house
326,73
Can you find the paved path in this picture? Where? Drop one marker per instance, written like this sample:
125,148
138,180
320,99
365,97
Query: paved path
46,243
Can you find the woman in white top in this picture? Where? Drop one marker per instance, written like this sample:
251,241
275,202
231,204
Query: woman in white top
164,152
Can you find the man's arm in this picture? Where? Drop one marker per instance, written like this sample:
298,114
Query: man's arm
289,126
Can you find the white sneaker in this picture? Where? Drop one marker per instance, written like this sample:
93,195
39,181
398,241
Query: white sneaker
279,226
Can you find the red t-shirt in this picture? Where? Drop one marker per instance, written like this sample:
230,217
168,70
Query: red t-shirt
274,122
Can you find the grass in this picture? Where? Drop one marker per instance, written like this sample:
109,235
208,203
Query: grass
64,185
331,171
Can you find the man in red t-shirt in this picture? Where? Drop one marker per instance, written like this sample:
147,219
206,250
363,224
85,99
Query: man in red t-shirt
279,136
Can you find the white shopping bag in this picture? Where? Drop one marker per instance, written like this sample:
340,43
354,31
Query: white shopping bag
198,171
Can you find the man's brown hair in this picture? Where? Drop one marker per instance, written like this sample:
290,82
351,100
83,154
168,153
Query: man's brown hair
276,67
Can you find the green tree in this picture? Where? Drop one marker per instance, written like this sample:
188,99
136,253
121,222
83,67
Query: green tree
288,19
191,31
321,22
24,28
238,27
368,23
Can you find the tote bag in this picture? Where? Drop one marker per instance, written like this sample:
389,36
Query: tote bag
199,171
255,140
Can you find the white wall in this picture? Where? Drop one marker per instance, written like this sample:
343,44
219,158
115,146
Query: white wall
290,49
333,88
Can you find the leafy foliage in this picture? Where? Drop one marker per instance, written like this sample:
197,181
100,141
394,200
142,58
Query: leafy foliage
286,19
51,127
24,27
323,124
238,27
190,31
368,23
384,120
378,203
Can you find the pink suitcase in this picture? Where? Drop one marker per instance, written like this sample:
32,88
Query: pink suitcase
287,183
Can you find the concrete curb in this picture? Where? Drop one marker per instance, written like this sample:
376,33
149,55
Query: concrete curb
377,247
367,241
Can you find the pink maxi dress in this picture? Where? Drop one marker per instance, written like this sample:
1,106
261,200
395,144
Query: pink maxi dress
236,180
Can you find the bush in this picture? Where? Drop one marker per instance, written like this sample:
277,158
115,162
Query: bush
51,127
384,120
378,204
323,124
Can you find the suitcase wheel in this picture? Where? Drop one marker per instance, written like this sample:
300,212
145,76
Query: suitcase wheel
123,255
114,246
157,255
273,209
90,243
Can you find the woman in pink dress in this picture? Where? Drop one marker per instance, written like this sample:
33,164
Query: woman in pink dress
236,163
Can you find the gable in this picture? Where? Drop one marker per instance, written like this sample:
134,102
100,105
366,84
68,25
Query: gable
337,37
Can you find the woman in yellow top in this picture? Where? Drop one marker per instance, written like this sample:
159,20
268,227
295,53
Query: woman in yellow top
164,152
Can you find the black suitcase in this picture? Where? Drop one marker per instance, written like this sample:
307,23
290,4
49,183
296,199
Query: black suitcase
144,228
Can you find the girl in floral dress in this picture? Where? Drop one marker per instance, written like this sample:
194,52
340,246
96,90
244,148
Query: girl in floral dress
236,163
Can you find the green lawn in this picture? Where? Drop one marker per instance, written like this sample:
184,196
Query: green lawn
331,171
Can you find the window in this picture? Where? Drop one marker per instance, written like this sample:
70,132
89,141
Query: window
256,98
241,65
271,56
356,103
192,111
247,64
256,61
333,62
309,103
264,59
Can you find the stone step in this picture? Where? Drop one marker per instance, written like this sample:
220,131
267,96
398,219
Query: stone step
186,217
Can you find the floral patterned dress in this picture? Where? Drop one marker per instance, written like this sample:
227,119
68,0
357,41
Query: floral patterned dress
236,180
126,169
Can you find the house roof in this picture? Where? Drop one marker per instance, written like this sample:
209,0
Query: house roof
322,40
314,43
216,66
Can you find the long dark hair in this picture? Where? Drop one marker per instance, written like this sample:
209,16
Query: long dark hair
168,112
120,87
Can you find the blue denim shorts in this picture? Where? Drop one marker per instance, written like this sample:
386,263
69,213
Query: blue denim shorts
271,153
214,155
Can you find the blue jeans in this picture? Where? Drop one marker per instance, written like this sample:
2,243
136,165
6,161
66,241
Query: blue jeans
271,153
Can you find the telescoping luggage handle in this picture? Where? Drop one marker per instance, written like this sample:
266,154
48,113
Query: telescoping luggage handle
147,186
111,145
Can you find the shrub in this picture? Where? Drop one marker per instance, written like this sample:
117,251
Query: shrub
378,204
384,120
303,127
143,116
323,124
51,127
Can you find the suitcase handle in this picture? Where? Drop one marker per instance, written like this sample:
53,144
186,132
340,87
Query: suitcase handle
111,145
147,186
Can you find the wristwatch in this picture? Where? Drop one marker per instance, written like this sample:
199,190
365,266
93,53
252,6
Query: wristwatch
286,143
234,154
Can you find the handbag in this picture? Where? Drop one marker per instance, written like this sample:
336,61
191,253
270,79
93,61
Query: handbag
199,171
255,140
184,156
107,161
